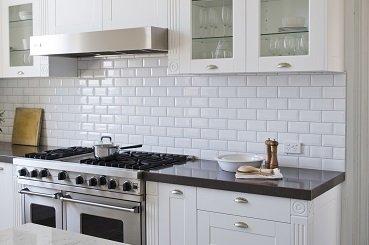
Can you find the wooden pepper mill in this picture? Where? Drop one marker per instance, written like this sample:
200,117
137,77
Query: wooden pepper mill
272,151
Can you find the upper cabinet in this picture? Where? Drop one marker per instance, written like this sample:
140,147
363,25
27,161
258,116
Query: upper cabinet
71,16
22,19
299,35
212,36
119,14
226,36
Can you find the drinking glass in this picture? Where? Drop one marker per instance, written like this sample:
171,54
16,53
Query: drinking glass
227,19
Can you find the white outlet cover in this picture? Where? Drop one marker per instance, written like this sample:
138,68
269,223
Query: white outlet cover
292,148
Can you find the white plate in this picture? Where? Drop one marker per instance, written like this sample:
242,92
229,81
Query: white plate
232,162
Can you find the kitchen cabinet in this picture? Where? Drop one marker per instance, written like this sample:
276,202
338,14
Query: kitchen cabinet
207,36
119,14
70,16
22,19
178,214
297,35
7,211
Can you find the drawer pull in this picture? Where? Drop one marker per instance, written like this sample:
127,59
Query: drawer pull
20,73
241,200
177,192
1,169
241,225
211,67
284,65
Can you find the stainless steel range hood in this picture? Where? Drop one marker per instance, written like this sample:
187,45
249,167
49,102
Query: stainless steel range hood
123,41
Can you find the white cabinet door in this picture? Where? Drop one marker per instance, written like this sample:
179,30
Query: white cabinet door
177,215
212,36
71,16
296,35
222,229
7,196
120,14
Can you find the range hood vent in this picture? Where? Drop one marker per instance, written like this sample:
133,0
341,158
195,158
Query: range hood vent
114,42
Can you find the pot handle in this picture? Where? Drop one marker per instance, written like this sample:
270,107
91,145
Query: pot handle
106,137
130,147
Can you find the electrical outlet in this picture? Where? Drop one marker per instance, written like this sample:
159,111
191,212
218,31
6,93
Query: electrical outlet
292,148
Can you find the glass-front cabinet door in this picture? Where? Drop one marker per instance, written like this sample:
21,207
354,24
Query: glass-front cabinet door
213,36
291,35
19,24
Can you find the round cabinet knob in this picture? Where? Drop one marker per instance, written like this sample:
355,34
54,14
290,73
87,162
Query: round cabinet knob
23,172
44,173
92,182
112,184
102,180
34,173
62,175
80,180
127,186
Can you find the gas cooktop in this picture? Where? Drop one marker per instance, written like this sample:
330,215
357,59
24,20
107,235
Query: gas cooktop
136,160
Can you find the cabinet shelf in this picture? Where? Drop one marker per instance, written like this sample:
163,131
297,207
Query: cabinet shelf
283,33
19,50
211,3
212,38
20,21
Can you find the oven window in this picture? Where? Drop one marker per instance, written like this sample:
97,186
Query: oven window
43,215
110,229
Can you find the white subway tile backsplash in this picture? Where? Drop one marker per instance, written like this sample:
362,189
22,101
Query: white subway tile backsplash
133,99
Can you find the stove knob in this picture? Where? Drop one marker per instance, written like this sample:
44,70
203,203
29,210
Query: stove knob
23,172
63,175
112,184
80,180
102,180
92,181
44,173
127,186
34,173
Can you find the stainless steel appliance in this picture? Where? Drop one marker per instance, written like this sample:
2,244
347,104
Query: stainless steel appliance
101,197
112,42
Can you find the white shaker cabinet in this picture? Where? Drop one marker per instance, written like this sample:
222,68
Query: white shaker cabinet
7,196
176,215
71,16
120,14
22,19
296,35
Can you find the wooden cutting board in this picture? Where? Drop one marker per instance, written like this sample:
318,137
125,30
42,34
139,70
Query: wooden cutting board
27,126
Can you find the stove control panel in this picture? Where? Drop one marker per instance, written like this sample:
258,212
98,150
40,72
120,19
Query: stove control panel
91,181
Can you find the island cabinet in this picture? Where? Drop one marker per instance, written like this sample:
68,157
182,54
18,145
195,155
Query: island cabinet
22,19
7,196
228,36
190,215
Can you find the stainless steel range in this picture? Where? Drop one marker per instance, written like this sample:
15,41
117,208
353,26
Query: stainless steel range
70,189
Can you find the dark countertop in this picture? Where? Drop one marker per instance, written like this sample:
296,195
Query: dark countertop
9,151
304,184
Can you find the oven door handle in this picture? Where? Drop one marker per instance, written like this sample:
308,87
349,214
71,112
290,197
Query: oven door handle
131,210
26,191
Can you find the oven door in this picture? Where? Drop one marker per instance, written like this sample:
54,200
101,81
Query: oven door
41,206
106,218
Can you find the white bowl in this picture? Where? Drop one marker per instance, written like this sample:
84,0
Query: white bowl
25,15
232,162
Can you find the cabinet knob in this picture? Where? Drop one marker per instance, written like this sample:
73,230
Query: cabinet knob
241,200
20,73
241,225
177,192
211,67
1,169
284,65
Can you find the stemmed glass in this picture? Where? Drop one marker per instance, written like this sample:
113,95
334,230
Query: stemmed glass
227,19
204,21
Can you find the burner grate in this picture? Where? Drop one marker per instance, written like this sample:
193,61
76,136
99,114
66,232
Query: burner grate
60,153
138,160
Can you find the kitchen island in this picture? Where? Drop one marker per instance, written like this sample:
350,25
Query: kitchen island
32,234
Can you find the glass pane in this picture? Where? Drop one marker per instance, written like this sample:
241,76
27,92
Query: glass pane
284,27
212,29
110,229
43,215
20,31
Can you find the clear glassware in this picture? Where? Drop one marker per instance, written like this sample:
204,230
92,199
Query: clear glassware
227,20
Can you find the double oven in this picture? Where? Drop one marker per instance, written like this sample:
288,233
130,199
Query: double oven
112,216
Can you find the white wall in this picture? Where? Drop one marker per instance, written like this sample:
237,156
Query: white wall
132,99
